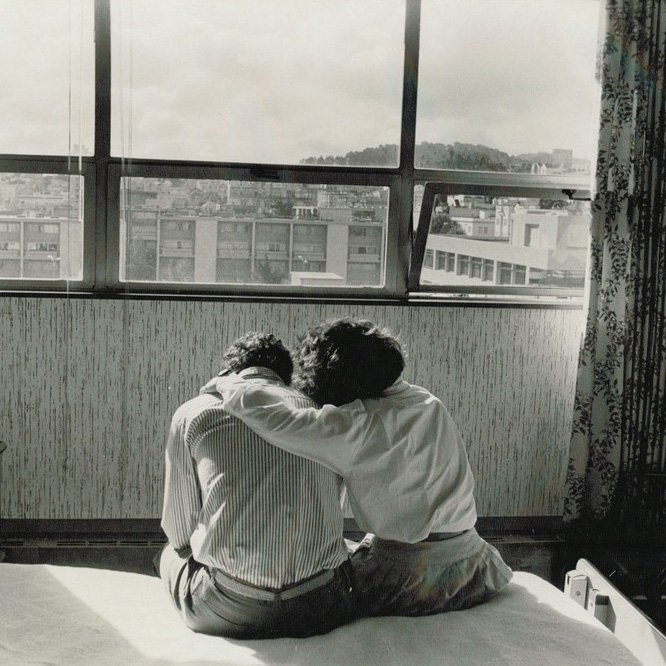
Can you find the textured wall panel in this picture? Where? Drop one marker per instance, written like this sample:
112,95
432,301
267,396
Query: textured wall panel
88,388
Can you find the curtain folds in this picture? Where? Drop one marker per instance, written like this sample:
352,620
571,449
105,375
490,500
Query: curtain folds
617,461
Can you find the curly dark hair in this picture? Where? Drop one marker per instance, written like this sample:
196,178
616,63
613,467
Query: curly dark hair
344,359
259,349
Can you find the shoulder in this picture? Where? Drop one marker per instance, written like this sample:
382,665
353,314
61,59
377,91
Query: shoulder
195,409
404,394
287,394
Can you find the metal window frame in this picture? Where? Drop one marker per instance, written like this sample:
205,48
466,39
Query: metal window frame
492,184
246,173
58,165
403,253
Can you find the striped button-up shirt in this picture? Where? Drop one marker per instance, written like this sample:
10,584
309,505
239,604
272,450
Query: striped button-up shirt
259,514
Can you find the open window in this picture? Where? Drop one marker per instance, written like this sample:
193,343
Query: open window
501,236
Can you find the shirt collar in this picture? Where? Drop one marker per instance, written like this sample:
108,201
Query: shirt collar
259,372
398,386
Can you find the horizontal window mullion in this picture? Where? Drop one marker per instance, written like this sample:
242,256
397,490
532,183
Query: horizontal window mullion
497,290
20,285
479,182
45,164
253,172
252,290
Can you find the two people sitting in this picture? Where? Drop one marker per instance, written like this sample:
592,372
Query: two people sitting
255,471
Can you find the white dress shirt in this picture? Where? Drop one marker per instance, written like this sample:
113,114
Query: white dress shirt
400,455
259,514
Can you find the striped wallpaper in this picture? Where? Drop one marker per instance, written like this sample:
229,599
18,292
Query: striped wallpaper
88,388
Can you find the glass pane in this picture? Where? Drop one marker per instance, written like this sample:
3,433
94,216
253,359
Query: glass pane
41,226
220,231
263,81
519,241
46,77
508,85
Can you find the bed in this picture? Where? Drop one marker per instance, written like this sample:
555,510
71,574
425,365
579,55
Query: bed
64,616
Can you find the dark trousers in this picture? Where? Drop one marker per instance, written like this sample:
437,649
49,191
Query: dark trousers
208,608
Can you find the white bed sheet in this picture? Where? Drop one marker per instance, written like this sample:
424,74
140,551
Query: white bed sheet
66,616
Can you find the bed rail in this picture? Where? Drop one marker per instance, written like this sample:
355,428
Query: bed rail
592,590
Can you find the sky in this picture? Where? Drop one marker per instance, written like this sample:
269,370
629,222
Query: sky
280,80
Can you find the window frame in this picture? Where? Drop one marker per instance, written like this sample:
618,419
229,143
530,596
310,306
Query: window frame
404,245
565,188
247,173
59,166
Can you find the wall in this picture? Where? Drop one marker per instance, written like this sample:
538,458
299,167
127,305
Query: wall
88,387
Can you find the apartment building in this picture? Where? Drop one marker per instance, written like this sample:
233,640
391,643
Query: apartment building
40,248
540,248
245,250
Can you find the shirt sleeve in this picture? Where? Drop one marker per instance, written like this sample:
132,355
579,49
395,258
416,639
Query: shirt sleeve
328,435
182,495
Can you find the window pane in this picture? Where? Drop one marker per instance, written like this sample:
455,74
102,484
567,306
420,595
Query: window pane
508,85
219,231
41,226
46,77
484,240
258,80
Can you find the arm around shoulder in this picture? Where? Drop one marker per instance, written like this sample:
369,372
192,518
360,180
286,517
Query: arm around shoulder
324,435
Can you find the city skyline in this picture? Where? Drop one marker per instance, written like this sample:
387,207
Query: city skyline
248,232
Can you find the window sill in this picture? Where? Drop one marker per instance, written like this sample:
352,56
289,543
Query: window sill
415,299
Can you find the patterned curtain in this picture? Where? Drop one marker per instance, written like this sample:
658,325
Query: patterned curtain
617,466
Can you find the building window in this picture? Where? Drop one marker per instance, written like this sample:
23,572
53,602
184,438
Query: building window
519,273
505,272
487,270
532,235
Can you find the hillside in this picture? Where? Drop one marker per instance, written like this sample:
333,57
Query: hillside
431,156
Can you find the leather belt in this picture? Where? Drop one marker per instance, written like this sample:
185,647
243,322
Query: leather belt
226,582
442,536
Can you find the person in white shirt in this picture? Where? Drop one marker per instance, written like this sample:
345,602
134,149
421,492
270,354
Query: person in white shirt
403,461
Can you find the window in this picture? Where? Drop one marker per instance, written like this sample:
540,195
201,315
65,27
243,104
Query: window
253,222
47,110
511,88
536,241
44,250
257,81
271,147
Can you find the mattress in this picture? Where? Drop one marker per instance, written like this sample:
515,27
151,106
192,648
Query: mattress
65,616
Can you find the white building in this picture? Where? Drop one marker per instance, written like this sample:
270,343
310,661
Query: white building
543,247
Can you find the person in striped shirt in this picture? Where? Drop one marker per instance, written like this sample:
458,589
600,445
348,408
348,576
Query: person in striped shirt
403,461
255,546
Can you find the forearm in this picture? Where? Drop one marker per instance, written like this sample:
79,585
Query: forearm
324,435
